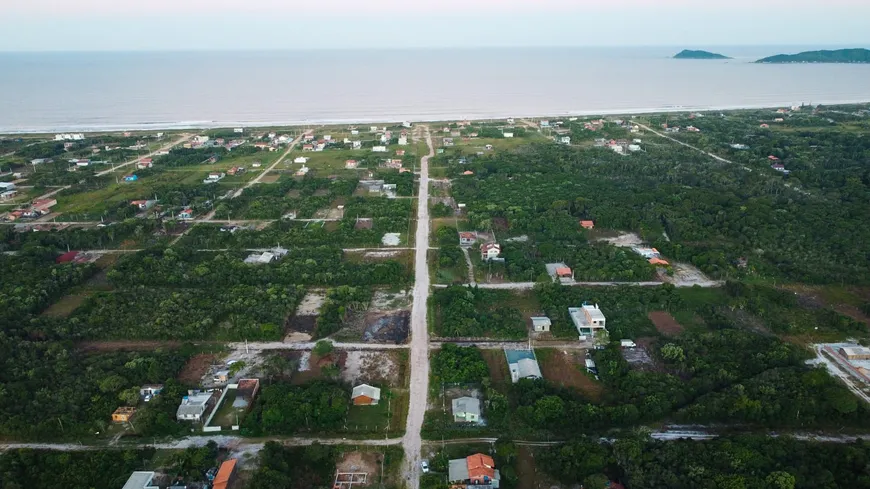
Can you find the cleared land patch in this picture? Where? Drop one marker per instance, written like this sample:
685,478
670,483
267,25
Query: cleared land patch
665,323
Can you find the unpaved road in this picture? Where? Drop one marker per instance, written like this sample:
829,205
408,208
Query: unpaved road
166,147
419,330
272,166
531,285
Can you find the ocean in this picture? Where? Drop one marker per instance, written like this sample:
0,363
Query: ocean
144,90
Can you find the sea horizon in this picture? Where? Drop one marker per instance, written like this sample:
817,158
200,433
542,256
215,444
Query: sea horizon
142,90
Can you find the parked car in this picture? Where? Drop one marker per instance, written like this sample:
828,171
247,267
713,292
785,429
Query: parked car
425,466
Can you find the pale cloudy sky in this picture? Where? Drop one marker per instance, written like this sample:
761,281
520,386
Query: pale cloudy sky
111,25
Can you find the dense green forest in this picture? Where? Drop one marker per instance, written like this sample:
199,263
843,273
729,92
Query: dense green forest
473,312
697,210
284,409
284,467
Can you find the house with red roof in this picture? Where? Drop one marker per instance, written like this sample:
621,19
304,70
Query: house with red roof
587,224
474,471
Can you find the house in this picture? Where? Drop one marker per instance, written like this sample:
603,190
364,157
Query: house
256,164
545,123
447,142
468,173
123,414
39,161
778,166
765,126
307,147
354,132
587,224
261,259
510,120
365,395
403,140
588,320
490,251
356,144
140,480
400,152
6,186
67,257
693,129
778,119
739,146
148,391
508,135
466,410
658,262
301,159
523,364
131,178
186,214
467,238
246,391
565,140
351,164
143,204
564,272
541,324
855,352
474,471
772,158
627,344
302,171
379,149
194,406
488,147
239,130
221,376
43,205
214,177
81,163
225,474
634,148
236,170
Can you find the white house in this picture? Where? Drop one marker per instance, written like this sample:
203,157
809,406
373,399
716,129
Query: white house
490,251
466,410
508,135
301,159
239,130
588,320
403,140
356,144
565,140
194,405
379,149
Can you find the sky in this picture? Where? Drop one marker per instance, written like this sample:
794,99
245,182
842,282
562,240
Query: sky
124,25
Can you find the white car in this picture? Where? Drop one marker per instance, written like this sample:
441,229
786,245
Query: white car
425,466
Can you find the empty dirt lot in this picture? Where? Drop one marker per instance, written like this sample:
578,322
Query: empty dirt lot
665,323
567,369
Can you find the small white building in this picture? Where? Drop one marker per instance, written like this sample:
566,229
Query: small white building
508,135
565,140
541,324
403,140
301,159
379,149
356,144
239,130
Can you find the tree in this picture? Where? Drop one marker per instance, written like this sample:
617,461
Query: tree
780,480
673,353
323,348
596,481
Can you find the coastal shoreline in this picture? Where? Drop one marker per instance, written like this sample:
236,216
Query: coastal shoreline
186,125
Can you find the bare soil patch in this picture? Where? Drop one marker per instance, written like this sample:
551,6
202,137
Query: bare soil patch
639,358
65,306
498,369
665,323
196,368
271,177
568,369
373,367
315,365
387,327
359,462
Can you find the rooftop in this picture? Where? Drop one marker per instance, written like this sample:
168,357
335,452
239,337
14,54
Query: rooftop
367,391
466,405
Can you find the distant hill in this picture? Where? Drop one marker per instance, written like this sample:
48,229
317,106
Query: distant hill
689,54
825,56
